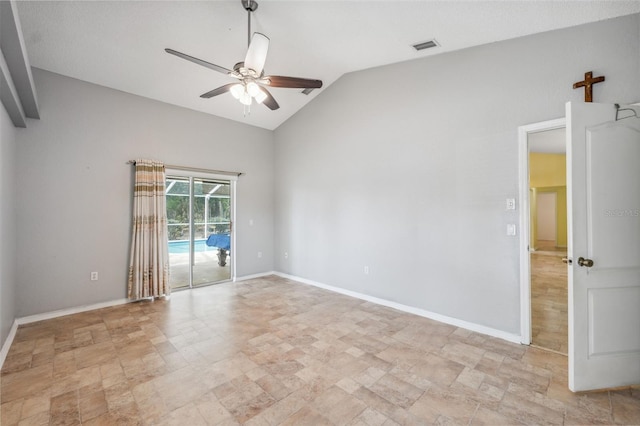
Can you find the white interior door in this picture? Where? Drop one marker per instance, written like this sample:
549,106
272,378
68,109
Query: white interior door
546,214
603,183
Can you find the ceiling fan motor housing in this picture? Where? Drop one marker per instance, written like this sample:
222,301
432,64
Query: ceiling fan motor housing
250,5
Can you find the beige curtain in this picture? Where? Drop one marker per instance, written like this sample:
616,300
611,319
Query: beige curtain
149,264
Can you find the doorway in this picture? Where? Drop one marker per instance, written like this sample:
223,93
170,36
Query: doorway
543,195
548,235
199,216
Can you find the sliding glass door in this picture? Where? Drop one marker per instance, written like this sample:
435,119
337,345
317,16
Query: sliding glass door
199,213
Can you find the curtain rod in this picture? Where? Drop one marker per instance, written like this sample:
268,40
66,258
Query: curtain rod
195,169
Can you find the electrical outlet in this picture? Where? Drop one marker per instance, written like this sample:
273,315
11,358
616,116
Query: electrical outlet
366,270
286,254
511,229
94,276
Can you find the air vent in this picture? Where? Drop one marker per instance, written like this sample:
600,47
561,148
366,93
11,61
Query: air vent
426,45
307,91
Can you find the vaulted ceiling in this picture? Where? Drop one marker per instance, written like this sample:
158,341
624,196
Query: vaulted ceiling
120,44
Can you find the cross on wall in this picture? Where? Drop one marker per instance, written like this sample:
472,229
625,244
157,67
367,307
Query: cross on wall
588,83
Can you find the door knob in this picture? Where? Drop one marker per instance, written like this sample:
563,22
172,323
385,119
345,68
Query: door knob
588,263
567,260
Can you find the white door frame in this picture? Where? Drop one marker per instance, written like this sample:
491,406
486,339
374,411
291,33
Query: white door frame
525,264
232,182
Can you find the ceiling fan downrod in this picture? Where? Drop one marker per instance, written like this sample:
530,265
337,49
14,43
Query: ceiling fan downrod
249,6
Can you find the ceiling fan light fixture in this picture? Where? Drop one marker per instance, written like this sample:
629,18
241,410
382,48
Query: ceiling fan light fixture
253,89
237,90
245,99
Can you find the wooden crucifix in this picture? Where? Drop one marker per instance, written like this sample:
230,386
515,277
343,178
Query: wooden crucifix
587,83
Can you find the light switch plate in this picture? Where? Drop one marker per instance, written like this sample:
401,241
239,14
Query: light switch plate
511,203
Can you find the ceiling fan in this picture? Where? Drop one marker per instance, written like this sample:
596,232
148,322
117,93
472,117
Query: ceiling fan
250,72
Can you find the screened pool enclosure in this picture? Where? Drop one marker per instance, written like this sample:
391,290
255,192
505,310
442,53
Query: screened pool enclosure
199,215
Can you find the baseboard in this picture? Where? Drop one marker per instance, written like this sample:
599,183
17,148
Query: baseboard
62,312
7,343
253,276
513,338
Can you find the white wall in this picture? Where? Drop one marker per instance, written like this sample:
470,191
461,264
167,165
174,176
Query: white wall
7,224
74,188
406,168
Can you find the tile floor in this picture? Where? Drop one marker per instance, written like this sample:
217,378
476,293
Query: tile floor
549,315
272,351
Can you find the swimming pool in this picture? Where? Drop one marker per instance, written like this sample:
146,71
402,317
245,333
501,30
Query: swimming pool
176,247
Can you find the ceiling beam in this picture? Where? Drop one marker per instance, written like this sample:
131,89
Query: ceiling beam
9,95
16,60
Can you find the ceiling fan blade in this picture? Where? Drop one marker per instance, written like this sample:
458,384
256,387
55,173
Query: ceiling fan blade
199,61
219,91
291,82
257,53
269,101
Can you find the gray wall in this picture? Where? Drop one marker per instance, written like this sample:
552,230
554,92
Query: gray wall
406,168
74,188
7,224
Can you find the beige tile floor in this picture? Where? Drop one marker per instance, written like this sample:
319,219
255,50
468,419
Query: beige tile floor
272,351
549,315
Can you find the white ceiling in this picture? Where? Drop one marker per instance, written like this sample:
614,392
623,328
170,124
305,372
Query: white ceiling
120,44
548,141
